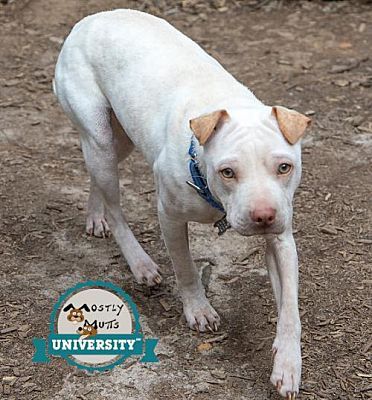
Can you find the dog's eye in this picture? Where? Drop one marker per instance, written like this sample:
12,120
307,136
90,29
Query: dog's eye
284,168
74,313
227,173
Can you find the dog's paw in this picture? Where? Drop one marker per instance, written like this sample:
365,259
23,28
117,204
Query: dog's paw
200,315
97,226
286,374
146,272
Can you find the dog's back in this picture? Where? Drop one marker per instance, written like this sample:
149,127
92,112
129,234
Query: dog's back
153,61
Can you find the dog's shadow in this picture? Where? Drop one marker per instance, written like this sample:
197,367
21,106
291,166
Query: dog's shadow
250,326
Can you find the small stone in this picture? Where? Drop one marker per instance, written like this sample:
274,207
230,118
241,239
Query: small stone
362,27
201,387
29,385
366,82
341,82
357,120
12,82
284,62
8,380
55,39
310,112
218,373
306,65
25,378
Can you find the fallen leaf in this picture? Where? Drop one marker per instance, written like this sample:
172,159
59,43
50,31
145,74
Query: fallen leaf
345,45
24,328
205,346
165,304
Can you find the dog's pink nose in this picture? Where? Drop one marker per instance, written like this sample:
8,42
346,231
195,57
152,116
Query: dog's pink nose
263,216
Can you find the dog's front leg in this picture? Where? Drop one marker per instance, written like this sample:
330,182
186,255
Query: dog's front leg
283,268
199,314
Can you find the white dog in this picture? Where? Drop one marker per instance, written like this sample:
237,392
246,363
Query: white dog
128,79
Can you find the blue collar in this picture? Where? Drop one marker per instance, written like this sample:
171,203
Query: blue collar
200,184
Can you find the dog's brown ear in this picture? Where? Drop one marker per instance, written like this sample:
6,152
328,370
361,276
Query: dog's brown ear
84,307
292,124
205,125
68,307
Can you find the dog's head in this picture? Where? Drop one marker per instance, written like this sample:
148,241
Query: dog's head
252,160
75,314
88,329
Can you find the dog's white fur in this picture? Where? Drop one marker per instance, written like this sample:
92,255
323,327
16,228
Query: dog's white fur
127,78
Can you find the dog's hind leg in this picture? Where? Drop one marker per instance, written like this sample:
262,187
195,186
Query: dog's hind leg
91,113
96,224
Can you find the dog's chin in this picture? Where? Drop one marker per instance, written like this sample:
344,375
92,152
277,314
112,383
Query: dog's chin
252,230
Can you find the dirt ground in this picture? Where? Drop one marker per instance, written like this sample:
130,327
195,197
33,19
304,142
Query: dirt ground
312,56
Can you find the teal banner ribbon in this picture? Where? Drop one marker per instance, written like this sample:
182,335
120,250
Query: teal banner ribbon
40,355
67,345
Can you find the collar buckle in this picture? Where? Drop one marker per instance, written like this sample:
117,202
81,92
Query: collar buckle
197,188
222,225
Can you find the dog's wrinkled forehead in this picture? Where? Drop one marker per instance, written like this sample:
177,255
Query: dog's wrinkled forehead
258,122
253,116
255,132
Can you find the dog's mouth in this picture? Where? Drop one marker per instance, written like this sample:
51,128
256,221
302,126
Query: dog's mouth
253,230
